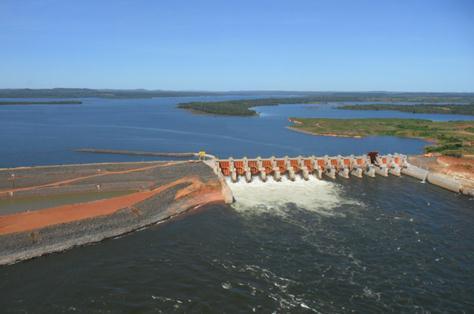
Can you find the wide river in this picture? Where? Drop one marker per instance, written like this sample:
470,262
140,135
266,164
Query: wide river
371,245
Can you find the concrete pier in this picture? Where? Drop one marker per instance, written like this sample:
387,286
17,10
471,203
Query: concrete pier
444,181
415,172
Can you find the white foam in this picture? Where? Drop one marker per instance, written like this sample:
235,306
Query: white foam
273,197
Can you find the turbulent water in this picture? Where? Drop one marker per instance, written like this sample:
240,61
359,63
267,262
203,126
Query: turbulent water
358,245
314,195
370,245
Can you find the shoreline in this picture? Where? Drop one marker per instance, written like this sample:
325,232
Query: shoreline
321,134
160,191
428,140
32,103
450,138
204,113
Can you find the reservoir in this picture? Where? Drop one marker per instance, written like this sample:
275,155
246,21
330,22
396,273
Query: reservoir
370,245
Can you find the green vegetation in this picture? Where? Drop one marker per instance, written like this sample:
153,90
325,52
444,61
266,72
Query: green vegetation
219,108
416,108
242,107
454,138
314,96
60,102
237,107
99,93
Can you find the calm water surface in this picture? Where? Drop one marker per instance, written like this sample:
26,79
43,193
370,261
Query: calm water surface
370,245
48,134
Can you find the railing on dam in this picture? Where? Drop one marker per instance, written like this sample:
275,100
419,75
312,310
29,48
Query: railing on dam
330,166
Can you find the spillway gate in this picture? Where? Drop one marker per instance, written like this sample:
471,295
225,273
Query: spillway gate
330,166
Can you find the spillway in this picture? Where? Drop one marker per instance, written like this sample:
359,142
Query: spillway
305,167
329,167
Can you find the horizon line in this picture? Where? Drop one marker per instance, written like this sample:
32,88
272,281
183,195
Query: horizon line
240,90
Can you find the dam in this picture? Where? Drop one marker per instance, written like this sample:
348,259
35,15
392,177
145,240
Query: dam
342,166
49,209
332,167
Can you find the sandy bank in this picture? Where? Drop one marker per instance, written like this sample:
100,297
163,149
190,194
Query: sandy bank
320,134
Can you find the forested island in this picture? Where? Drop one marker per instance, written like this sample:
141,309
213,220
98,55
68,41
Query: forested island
52,102
415,108
236,107
243,107
453,138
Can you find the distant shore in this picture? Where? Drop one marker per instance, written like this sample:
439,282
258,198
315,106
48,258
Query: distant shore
465,109
50,102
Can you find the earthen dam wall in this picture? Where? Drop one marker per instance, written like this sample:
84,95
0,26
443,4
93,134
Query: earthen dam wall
153,192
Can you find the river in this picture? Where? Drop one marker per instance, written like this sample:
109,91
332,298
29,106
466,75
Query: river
370,245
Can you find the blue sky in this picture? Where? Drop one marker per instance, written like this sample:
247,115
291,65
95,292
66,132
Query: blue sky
405,45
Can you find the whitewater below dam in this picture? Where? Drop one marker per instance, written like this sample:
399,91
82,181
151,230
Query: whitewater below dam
363,245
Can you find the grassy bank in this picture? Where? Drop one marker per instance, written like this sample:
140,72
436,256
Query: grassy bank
416,108
455,138
52,102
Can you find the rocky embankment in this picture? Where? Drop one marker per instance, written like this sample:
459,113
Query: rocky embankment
153,192
458,170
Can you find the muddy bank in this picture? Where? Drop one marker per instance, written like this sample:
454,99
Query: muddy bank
159,191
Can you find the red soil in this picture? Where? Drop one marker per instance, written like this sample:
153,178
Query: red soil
459,168
199,194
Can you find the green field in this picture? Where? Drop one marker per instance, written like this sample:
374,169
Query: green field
454,138
416,108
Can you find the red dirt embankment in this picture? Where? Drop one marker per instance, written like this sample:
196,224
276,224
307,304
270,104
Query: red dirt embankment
197,192
460,168
463,166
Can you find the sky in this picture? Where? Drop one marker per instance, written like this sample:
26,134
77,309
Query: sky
307,45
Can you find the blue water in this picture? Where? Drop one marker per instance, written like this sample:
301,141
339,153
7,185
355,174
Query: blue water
330,111
370,245
48,134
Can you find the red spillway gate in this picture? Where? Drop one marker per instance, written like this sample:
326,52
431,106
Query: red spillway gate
329,166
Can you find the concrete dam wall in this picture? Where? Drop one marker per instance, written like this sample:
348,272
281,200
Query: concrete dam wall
331,167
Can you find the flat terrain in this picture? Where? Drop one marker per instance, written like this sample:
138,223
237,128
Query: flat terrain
455,138
416,108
